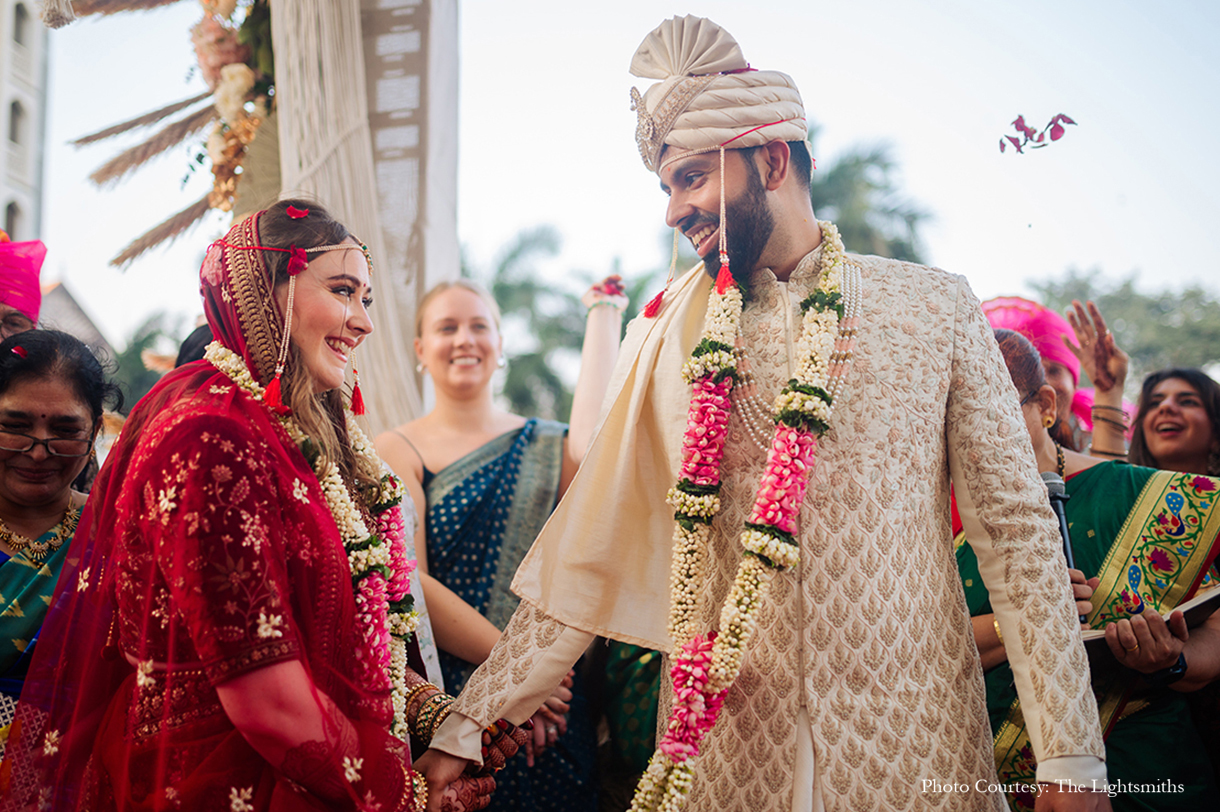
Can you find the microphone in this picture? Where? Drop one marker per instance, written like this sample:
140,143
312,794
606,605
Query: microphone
1057,491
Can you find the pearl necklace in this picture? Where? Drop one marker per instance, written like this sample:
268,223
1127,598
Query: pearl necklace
37,551
758,416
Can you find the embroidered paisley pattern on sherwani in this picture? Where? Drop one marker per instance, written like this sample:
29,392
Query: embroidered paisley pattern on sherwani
870,633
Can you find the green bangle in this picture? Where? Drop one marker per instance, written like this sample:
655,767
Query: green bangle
607,303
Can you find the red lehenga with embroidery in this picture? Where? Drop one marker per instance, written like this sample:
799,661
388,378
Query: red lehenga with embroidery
207,551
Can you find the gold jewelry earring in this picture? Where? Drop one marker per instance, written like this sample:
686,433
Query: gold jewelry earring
1048,421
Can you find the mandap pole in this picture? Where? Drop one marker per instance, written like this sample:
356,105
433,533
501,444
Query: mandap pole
366,100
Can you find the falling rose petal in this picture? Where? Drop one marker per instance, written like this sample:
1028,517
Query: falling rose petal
1064,119
1056,131
1003,145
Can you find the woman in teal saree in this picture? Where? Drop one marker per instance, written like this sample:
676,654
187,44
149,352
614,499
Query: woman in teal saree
1147,541
487,480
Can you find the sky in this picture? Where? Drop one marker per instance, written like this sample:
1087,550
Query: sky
546,135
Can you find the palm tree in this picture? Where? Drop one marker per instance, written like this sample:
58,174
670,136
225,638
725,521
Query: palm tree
858,192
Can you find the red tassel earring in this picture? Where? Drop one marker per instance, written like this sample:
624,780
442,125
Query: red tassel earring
357,395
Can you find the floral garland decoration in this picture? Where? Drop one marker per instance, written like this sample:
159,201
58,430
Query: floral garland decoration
378,560
705,667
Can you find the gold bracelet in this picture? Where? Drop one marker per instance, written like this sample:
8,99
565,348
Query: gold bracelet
996,622
440,718
431,714
413,692
419,791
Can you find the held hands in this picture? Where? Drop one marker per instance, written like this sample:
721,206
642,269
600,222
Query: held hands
1146,643
463,795
501,741
448,789
609,291
1103,361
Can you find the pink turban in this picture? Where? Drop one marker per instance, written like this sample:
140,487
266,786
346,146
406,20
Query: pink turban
1044,328
20,264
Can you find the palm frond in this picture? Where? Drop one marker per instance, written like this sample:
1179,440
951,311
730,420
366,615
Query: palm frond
145,120
84,7
167,230
163,139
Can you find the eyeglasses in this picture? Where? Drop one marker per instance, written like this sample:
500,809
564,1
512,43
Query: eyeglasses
1028,397
55,446
13,323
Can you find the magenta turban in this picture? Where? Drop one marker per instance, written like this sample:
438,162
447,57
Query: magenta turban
20,264
1044,328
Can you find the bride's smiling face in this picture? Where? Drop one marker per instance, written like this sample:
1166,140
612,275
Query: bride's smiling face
330,312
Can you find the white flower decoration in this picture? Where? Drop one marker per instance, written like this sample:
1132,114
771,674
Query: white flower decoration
351,769
50,744
239,799
269,625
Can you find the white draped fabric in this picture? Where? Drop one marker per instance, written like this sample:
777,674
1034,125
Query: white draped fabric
357,111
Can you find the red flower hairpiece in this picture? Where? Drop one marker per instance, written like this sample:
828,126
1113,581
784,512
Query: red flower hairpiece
296,214
19,351
297,260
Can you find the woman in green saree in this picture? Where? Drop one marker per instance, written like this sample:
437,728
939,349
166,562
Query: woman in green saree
52,390
1147,540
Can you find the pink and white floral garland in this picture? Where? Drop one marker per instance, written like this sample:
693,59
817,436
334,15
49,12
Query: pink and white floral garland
381,570
705,667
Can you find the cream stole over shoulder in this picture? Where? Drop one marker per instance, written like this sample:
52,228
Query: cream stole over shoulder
601,563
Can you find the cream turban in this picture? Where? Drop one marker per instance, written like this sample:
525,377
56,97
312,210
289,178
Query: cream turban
708,96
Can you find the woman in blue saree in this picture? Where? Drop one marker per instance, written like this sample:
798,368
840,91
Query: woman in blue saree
1147,540
487,480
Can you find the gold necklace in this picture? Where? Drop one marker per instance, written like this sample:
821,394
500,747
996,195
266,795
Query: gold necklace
35,550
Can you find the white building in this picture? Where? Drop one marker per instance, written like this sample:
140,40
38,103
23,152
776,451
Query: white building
23,85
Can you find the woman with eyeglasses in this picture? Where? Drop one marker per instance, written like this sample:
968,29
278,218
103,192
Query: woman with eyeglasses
52,391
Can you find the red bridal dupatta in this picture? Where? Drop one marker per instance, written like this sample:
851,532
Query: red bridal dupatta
207,551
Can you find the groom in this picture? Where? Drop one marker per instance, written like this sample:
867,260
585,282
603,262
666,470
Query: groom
861,687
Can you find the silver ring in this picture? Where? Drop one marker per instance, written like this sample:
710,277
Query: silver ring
552,729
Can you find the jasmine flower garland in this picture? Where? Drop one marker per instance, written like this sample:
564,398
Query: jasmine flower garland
378,560
705,667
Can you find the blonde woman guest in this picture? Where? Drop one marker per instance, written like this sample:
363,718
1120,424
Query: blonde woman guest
486,480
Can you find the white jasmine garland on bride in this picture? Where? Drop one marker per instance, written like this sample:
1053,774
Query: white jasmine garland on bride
705,666
378,560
